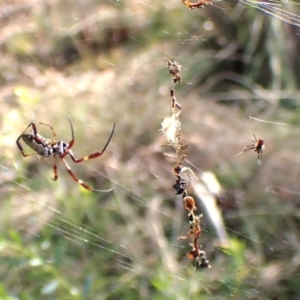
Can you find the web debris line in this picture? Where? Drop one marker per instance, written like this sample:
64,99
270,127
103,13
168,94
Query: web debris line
171,129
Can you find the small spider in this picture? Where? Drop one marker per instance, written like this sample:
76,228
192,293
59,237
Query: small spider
44,147
258,147
199,4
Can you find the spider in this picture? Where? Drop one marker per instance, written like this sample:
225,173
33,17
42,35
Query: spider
44,147
258,147
199,4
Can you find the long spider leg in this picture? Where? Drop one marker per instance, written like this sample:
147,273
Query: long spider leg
247,148
25,154
259,157
18,139
21,148
112,132
240,153
70,152
91,156
81,182
33,125
250,147
54,168
73,137
53,132
70,145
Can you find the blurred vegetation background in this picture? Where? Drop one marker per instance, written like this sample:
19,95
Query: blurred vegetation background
103,62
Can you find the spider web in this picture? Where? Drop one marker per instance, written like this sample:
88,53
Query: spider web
105,63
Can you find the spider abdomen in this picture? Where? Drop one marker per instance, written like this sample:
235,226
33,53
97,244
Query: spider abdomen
41,146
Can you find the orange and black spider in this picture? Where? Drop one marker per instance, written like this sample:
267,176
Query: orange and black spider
258,147
198,4
44,147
